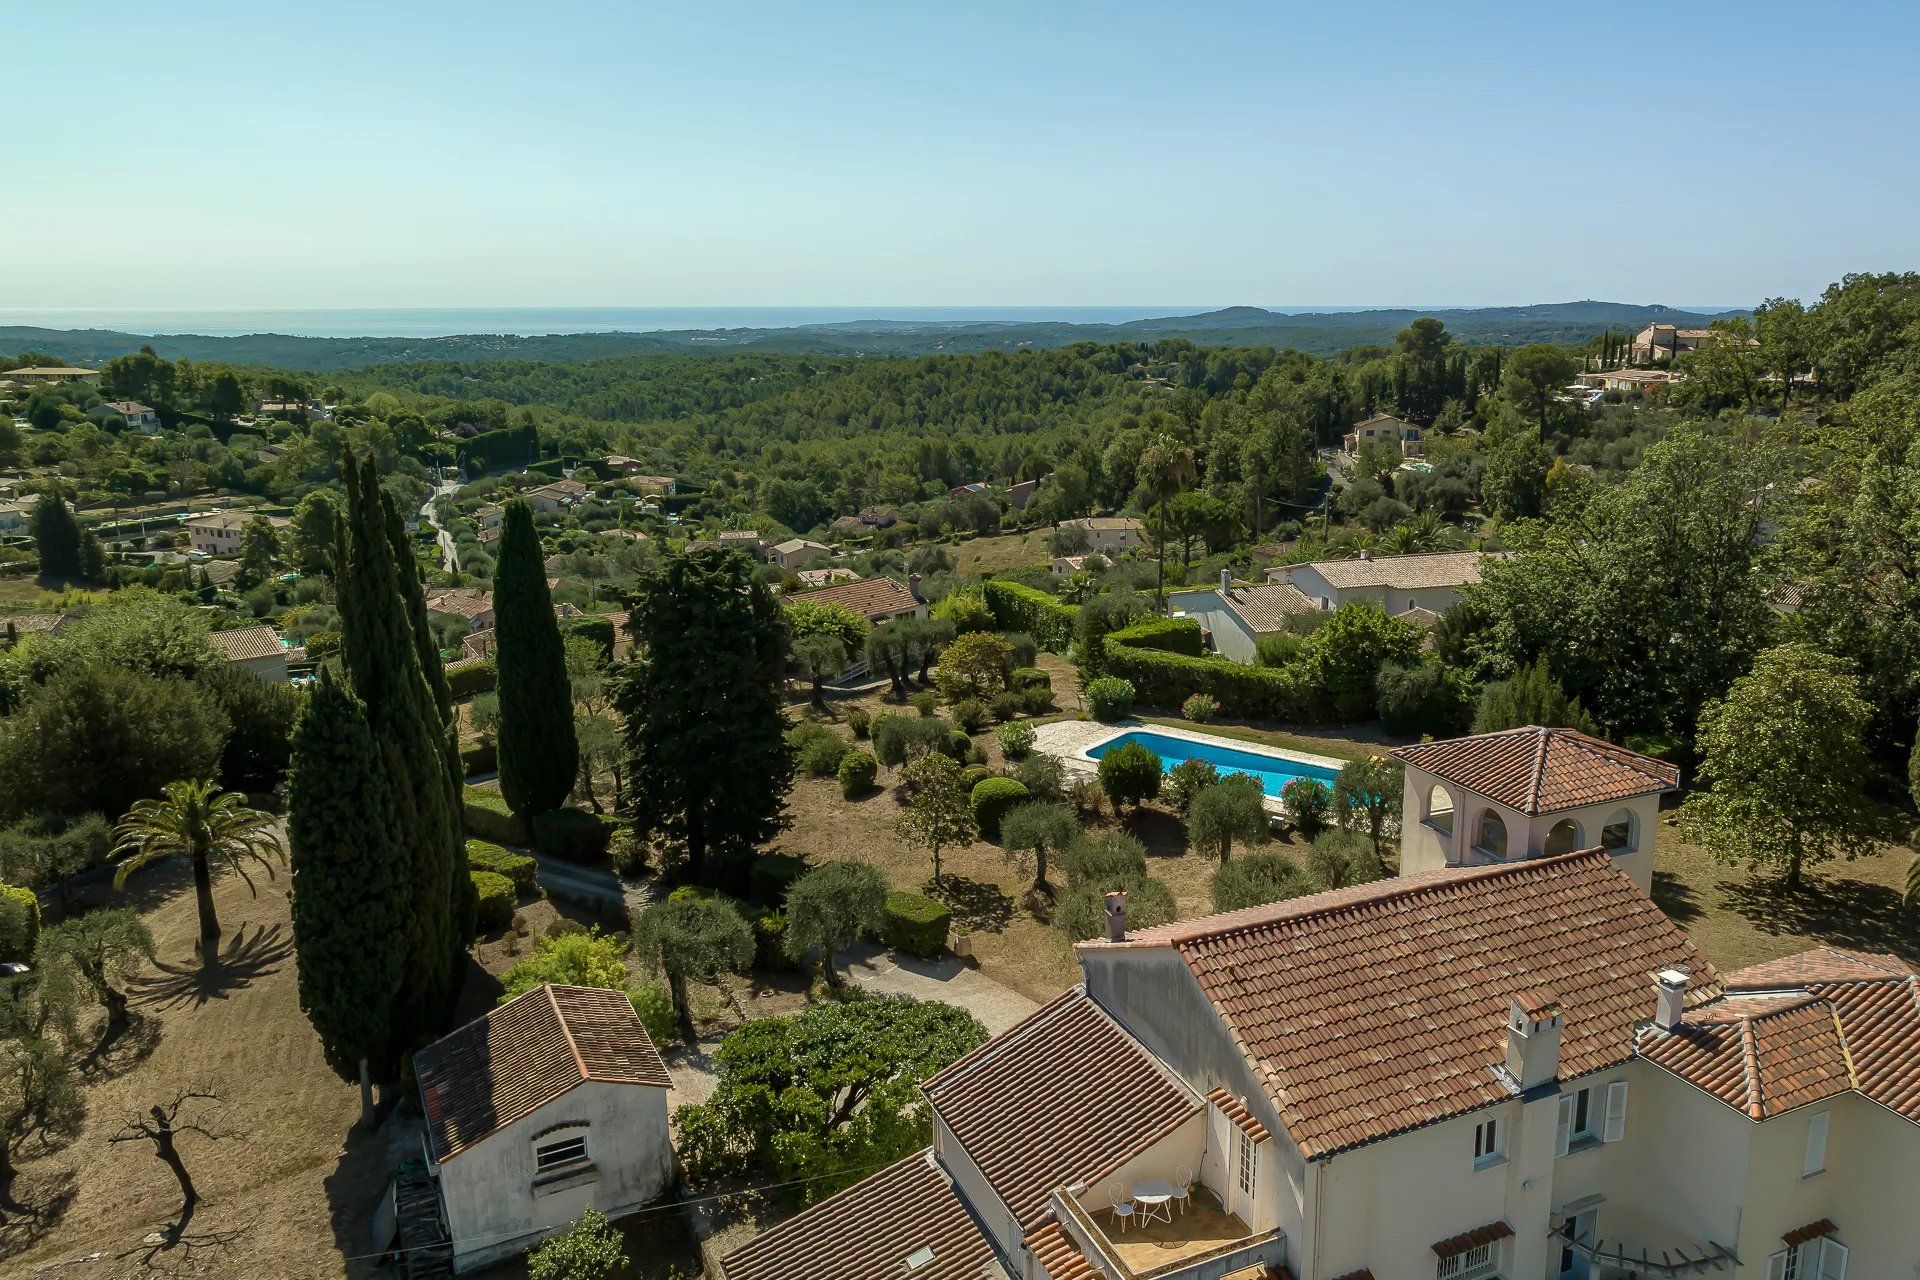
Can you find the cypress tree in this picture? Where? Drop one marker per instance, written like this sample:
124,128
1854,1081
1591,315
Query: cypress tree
538,754
349,889
56,537
707,760
381,648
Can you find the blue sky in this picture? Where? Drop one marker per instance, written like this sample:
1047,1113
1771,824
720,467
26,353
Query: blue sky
427,154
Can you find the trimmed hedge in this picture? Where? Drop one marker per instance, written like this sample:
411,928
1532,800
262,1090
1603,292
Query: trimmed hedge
487,817
464,679
1017,607
772,875
991,798
494,908
516,867
19,923
1171,635
915,925
573,834
856,773
597,627
1025,678
1164,679
478,757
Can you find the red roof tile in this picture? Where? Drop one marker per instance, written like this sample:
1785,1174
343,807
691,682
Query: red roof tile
1538,770
868,1231
1379,1008
1055,1250
1452,1246
1056,1099
480,1078
1236,1112
871,598
1821,964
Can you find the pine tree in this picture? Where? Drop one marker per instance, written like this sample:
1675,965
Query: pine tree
56,537
381,646
538,753
707,762
349,890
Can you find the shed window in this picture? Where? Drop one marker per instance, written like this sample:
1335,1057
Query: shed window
557,1155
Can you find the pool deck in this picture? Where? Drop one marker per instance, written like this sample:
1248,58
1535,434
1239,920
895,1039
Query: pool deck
1072,742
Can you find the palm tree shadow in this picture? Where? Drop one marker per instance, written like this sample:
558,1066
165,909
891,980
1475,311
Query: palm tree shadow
245,958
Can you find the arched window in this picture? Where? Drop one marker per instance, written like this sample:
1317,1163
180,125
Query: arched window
1440,810
1564,838
1490,834
1621,834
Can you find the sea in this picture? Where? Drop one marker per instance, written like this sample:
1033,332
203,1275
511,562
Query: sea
436,322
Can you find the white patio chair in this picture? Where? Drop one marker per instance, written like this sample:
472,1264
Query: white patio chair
1183,1188
1122,1208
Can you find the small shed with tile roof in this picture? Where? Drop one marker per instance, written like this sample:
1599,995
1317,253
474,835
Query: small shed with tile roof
549,1105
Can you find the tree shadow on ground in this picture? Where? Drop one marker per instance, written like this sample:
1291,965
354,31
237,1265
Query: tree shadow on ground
150,887
975,904
246,957
1163,833
124,1050
1831,909
40,1200
1677,898
368,1158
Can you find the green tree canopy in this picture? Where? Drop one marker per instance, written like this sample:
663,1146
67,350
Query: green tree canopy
694,938
830,907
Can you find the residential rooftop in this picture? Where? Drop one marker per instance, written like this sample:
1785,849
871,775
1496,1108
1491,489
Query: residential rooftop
1401,573
869,597
1538,770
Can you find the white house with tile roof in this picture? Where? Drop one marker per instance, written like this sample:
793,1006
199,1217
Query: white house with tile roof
1237,619
1430,580
1521,1071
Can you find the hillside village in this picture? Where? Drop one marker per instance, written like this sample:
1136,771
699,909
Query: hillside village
1123,811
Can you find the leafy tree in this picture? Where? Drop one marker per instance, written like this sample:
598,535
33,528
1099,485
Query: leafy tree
1227,811
1529,697
1428,697
1130,774
259,552
1782,765
349,893
56,536
39,1092
1366,797
204,825
44,850
1862,326
581,959
1338,859
101,950
939,814
1167,467
697,938
1259,878
1347,651
1308,803
1081,912
539,756
820,658
1513,478
889,650
825,618
261,715
1534,376
975,664
591,1249
830,907
311,537
1033,832
707,762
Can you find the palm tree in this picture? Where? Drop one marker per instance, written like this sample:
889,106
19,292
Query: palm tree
1166,465
198,821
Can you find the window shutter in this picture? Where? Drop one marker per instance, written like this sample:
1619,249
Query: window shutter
1564,1137
1833,1260
1777,1266
1816,1159
1616,1112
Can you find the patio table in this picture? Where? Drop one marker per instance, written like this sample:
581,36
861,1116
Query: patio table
1155,1198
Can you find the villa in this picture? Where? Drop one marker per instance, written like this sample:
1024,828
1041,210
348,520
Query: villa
1430,580
1237,619
795,552
1108,533
256,649
877,600
1385,430
138,417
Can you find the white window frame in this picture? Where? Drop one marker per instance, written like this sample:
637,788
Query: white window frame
1823,1258
560,1154
1488,1150
1614,1127
1247,1172
1814,1162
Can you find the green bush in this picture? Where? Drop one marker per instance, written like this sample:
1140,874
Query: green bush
1257,878
19,923
915,925
856,772
1082,911
1102,856
1341,858
464,679
770,942
1162,679
966,610
991,798
516,867
1187,780
655,1008
1169,635
1425,698
817,750
494,901
897,737
1025,648
1025,678
960,745
925,702
628,851
773,874
1110,698
972,776
860,720
1037,699
1308,803
1016,607
1043,776
478,757
1201,708
1130,774
487,817
970,714
573,834
1016,739
1008,706
597,627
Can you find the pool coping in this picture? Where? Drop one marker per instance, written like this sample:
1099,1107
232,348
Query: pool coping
1076,753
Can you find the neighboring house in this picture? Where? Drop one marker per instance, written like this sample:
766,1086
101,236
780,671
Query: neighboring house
1664,342
1237,619
13,517
1430,580
747,540
811,578
1108,533
480,644
474,605
222,574
14,626
217,533
1645,381
1386,430
490,516
879,517
795,552
877,600
1019,495
849,526
1529,793
552,1104
550,499
258,649
977,486
1067,566
139,417
634,470
49,373
1523,1071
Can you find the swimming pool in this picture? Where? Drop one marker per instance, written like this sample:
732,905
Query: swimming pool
1271,768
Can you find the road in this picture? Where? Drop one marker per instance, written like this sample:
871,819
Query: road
449,558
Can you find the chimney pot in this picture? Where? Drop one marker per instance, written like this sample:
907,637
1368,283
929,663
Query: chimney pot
1226,579
1670,999
1534,1023
1117,916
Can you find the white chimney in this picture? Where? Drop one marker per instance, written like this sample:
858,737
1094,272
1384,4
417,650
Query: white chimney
1534,1023
1117,916
1226,579
1670,996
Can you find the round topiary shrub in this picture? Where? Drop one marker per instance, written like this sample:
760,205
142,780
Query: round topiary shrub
1200,708
925,703
1130,774
959,745
857,769
1008,706
991,798
972,776
494,909
1110,698
1016,739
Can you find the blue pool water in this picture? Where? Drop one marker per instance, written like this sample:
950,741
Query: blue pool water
1272,774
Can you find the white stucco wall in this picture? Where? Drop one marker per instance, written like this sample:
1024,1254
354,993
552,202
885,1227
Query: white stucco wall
1392,599
272,668
1423,847
493,1207
1231,636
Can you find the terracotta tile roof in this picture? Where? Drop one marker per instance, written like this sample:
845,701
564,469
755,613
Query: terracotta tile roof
29,624
225,520
1453,1246
1236,1111
871,598
1266,608
465,602
1538,770
480,1078
1104,524
245,644
1820,964
1055,1250
1402,573
868,1231
1379,1008
1812,1231
1056,1099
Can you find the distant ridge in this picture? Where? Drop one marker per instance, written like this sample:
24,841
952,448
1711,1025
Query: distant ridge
1319,333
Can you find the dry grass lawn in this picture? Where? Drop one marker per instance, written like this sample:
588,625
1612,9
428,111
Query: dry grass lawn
978,556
